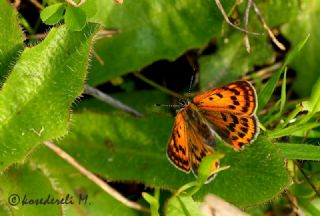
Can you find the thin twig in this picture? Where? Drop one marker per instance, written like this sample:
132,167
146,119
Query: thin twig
265,26
96,55
266,72
246,21
156,85
16,3
71,2
307,178
37,36
106,33
37,4
103,185
230,23
110,100
118,1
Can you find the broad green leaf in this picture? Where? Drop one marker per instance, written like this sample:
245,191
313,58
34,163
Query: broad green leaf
277,13
70,181
267,90
90,8
75,18
36,98
4,210
182,206
151,30
300,151
306,64
231,60
19,186
11,39
131,149
256,175
52,14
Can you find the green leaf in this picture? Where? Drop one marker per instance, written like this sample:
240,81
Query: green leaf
71,181
300,151
138,146
182,206
267,90
49,77
205,167
151,30
19,187
11,39
256,175
306,65
75,18
52,14
231,60
153,201
90,8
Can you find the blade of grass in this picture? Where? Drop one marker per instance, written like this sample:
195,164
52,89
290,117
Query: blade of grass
291,129
299,151
292,115
314,102
157,86
283,90
270,86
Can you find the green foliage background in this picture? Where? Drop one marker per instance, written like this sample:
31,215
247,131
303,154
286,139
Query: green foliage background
42,81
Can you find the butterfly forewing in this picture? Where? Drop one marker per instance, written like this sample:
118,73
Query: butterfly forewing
200,138
238,98
178,150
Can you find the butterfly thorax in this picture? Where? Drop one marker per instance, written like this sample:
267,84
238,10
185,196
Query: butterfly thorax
195,120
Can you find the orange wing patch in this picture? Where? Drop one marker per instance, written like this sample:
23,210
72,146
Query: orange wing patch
238,98
178,150
238,131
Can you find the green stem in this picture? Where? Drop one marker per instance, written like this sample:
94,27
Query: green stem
157,86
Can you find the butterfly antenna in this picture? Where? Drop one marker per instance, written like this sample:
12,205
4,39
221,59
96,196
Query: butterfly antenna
168,105
190,85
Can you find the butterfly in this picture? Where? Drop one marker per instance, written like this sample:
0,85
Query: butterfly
226,112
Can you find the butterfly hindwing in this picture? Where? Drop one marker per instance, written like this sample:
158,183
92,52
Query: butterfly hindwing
238,98
178,150
238,131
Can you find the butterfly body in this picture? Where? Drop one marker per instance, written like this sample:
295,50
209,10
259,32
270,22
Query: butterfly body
227,112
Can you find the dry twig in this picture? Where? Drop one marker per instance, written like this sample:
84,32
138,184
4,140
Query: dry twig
246,21
265,26
226,18
103,185
110,100
75,4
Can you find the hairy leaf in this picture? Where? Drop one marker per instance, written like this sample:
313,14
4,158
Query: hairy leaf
11,39
36,98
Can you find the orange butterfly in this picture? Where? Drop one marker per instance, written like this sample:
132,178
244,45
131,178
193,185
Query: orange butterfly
227,112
